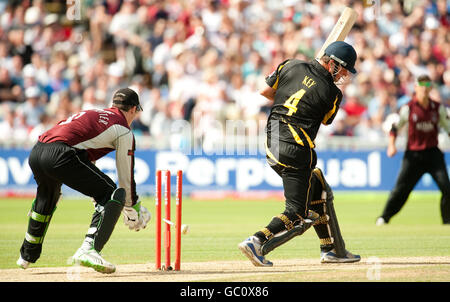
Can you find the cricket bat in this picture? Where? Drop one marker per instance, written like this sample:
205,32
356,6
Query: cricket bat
340,30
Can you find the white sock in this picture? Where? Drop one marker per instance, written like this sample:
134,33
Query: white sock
87,243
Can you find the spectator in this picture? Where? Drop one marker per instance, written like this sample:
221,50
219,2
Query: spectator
161,53
156,36
182,48
18,45
44,125
90,100
116,78
33,108
445,89
9,92
353,108
7,126
388,23
21,129
57,82
380,107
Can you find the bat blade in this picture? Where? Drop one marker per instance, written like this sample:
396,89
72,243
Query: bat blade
340,30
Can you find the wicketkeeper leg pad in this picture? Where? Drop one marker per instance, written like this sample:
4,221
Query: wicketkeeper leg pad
37,228
104,220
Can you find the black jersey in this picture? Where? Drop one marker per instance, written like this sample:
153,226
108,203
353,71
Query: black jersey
305,97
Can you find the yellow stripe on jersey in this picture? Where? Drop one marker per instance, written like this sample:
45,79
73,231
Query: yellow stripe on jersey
298,139
295,135
331,112
310,143
275,86
272,157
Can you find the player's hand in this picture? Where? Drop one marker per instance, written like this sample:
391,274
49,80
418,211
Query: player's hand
136,217
391,150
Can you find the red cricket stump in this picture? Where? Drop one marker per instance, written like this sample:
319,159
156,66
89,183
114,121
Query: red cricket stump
178,221
167,225
167,221
158,220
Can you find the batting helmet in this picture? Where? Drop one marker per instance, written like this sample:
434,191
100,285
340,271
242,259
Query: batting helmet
343,53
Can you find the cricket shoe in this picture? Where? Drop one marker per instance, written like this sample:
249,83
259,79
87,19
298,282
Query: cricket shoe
331,257
22,263
251,247
91,258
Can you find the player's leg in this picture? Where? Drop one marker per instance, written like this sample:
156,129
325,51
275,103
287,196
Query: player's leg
73,168
318,204
293,164
86,178
410,173
332,245
102,225
47,195
40,214
251,247
282,227
438,170
296,218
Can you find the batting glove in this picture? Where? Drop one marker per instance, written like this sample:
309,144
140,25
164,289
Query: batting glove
136,217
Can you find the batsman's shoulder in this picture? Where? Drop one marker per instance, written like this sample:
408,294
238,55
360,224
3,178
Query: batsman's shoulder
297,67
299,63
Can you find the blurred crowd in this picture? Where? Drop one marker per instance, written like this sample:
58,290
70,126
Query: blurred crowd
203,61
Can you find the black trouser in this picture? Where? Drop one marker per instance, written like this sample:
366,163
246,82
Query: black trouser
55,164
414,165
294,163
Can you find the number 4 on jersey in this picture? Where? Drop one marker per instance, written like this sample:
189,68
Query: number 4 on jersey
293,100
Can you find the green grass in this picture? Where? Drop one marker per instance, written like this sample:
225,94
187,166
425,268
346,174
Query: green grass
216,227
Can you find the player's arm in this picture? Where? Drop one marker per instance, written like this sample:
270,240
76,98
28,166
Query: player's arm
391,149
403,114
272,82
331,114
135,215
125,166
268,93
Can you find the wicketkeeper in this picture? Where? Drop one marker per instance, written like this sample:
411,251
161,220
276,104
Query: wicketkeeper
66,154
305,96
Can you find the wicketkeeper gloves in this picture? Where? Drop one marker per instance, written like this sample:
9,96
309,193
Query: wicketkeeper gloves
136,217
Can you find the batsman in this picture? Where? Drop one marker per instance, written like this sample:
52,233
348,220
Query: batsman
304,95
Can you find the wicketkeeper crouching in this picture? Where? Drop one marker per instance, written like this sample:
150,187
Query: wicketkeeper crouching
66,154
